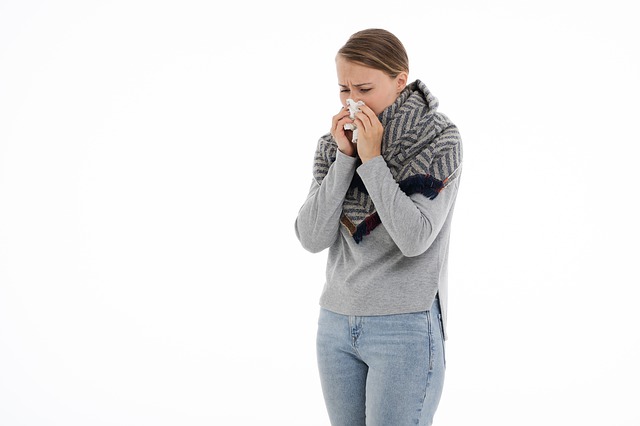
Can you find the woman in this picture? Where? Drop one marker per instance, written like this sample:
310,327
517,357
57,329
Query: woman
383,207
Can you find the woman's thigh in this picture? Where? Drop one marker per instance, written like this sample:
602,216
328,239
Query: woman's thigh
343,374
405,356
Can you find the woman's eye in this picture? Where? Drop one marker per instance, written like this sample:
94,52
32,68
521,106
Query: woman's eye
344,90
364,90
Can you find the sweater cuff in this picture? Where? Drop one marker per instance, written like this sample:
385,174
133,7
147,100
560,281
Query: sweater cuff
372,167
345,159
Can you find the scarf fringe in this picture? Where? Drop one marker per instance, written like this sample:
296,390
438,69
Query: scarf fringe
366,226
426,185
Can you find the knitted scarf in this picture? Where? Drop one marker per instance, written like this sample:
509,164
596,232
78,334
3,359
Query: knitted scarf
420,146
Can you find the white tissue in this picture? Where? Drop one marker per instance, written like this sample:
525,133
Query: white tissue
354,107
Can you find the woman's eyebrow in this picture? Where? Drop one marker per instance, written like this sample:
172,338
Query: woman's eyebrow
356,85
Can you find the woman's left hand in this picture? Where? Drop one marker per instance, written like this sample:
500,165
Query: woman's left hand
370,133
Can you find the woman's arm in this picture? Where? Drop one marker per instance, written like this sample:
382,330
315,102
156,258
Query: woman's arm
318,222
413,222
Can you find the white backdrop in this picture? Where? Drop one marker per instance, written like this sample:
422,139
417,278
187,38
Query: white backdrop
153,157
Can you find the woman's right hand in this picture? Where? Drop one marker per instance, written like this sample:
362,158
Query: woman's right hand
341,136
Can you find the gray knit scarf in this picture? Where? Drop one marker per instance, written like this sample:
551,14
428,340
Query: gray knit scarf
421,147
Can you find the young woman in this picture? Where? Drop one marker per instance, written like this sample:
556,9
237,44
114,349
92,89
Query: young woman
383,208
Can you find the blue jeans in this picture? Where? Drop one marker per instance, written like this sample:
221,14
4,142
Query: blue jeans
381,370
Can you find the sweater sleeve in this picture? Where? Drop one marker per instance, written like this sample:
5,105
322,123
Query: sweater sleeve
413,222
318,223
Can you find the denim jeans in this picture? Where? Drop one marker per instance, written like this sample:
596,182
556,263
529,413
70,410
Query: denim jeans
381,370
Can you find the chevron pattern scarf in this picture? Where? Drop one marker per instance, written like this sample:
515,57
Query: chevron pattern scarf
420,146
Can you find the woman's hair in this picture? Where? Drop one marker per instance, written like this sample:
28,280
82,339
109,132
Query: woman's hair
377,49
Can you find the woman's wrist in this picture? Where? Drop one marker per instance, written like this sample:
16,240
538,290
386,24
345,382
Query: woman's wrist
349,152
368,157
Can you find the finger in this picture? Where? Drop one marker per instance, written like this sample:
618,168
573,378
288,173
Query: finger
339,125
343,111
369,118
362,121
345,120
339,117
368,111
338,131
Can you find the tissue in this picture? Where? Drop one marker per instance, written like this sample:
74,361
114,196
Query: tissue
354,107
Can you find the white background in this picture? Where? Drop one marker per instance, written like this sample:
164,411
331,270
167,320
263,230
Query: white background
154,155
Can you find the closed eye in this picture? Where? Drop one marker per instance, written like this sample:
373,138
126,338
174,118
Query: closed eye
361,90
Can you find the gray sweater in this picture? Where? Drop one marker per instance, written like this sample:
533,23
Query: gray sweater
401,265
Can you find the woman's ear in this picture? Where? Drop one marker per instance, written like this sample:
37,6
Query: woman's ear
401,81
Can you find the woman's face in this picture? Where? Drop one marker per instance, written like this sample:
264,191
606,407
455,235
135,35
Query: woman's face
360,83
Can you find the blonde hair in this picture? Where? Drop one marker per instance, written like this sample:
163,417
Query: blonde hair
377,49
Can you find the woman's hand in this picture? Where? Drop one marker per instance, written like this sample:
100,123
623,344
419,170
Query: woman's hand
341,136
370,132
